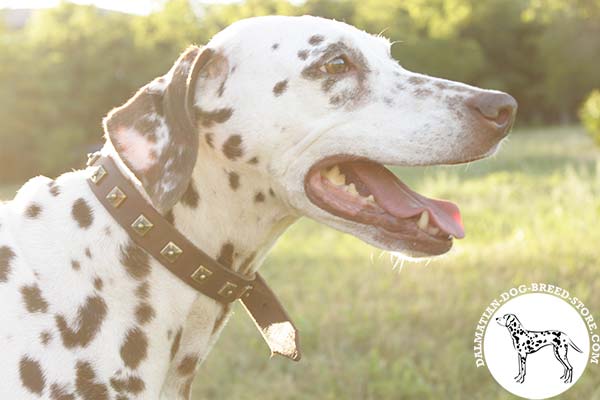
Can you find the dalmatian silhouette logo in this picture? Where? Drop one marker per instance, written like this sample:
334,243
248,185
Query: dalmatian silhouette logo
528,342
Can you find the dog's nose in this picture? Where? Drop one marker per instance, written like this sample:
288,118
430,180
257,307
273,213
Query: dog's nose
497,109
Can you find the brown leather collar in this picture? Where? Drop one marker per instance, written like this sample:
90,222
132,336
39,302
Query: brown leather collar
152,232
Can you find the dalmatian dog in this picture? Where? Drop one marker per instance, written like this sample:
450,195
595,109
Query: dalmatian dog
528,342
294,116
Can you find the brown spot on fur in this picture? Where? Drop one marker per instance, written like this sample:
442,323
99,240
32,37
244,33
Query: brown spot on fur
271,192
75,265
88,253
303,54
209,138
33,211
98,283
234,180
422,93
191,197
135,348
121,397
280,87
186,390
45,337
328,84
88,322
86,385
226,255
221,89
32,297
143,291
253,161
133,384
136,261
176,343
54,188
59,392
32,376
187,365
82,213
415,80
315,40
144,313
209,118
232,148
6,257
259,197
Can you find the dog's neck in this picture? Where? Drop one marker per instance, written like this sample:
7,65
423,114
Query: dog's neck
234,216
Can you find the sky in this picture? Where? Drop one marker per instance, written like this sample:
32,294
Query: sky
130,6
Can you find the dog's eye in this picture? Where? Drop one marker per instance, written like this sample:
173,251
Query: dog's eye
338,65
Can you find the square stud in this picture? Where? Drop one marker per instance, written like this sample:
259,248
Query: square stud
227,289
171,252
116,197
142,225
98,174
201,274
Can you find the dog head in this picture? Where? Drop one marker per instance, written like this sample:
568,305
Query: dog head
316,108
508,320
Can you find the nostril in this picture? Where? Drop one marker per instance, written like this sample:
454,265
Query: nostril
496,107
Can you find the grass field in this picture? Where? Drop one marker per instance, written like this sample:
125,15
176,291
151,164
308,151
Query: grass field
371,329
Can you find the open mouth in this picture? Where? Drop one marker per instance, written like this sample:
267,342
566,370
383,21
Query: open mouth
366,192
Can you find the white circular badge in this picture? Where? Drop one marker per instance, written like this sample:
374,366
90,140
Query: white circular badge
536,346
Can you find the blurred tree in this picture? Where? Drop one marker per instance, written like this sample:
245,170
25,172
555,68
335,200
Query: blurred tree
71,64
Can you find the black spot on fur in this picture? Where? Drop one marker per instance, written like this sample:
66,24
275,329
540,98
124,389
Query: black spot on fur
209,118
191,197
6,257
259,197
232,148
234,180
226,255
82,213
280,87
275,46
315,40
33,211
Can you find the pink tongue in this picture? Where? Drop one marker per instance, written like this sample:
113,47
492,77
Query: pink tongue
397,199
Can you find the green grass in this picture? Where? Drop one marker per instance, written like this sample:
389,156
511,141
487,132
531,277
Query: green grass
372,331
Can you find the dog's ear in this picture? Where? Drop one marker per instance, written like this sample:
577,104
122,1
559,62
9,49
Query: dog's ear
155,133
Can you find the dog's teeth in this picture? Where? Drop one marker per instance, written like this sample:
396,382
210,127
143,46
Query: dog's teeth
352,189
371,199
433,230
423,220
335,176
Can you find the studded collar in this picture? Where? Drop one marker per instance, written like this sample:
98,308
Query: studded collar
153,233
